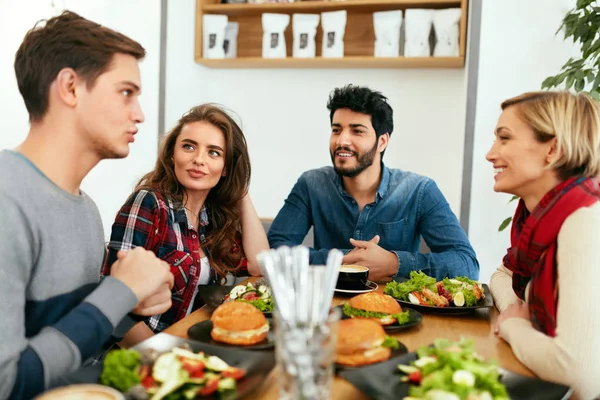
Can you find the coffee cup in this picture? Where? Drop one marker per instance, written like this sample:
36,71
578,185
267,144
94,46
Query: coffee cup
82,391
352,277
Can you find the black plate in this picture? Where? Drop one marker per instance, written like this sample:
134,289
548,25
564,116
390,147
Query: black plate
369,287
486,302
201,333
382,381
256,363
400,351
213,296
414,316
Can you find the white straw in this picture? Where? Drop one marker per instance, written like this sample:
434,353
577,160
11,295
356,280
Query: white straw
303,295
332,270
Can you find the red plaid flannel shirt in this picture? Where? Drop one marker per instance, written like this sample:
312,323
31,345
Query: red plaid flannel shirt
150,220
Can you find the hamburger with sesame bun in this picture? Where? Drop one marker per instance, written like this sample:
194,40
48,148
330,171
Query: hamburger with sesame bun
361,342
239,323
377,307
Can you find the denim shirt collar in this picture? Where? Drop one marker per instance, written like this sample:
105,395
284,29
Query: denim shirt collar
382,189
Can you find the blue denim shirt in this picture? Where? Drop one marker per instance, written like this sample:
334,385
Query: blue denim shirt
407,207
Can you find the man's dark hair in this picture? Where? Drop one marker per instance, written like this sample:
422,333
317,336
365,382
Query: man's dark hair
363,100
66,41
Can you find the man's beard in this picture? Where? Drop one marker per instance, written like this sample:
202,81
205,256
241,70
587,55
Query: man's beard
364,162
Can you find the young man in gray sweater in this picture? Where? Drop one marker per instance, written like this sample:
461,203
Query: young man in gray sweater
80,83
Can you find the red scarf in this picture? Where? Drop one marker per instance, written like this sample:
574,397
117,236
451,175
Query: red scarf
532,255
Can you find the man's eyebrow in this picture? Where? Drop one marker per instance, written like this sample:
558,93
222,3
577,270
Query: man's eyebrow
358,126
135,87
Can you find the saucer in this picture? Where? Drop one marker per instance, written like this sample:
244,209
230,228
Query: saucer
369,287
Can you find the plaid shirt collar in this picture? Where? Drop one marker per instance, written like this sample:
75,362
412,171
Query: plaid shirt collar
180,216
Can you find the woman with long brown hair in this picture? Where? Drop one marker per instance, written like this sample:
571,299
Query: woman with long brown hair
191,210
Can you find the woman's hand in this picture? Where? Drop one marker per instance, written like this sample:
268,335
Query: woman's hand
515,310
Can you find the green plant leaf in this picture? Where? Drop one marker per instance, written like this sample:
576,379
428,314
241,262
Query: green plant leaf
590,76
579,85
596,83
570,80
584,3
513,199
504,224
549,82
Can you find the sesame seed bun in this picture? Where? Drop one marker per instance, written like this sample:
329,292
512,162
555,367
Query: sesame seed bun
377,302
359,342
239,323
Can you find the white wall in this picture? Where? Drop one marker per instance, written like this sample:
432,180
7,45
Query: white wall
518,51
112,181
285,119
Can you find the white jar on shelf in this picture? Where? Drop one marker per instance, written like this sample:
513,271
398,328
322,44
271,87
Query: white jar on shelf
387,33
213,35
445,26
230,40
334,27
417,28
305,30
274,26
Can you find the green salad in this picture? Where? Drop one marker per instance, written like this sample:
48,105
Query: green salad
401,290
422,289
257,294
178,374
452,371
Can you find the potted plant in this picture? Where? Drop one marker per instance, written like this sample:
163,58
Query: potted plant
582,74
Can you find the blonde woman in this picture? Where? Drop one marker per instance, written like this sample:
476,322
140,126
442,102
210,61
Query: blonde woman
547,152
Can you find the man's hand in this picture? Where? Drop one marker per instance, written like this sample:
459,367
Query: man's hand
515,310
158,303
148,277
358,243
381,263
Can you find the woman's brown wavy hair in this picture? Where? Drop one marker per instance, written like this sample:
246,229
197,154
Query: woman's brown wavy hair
222,200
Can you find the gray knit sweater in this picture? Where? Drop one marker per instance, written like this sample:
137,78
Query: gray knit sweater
54,313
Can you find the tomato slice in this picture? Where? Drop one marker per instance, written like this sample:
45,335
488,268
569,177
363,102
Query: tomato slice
415,377
250,296
148,382
195,369
209,388
235,373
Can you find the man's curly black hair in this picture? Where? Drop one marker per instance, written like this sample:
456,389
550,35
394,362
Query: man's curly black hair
363,100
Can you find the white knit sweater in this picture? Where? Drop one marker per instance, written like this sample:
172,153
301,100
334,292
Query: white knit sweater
573,356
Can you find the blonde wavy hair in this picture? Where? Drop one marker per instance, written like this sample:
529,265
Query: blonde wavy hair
573,119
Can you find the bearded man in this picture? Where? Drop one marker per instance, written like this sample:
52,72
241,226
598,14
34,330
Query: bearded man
374,214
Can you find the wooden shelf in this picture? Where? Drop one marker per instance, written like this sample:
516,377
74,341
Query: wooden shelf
346,62
321,6
359,36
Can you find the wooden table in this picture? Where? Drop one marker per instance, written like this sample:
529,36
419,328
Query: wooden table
478,326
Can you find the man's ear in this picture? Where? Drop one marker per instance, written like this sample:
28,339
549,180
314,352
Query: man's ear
383,142
66,84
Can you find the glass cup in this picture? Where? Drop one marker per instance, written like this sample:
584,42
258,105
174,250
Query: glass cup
305,355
